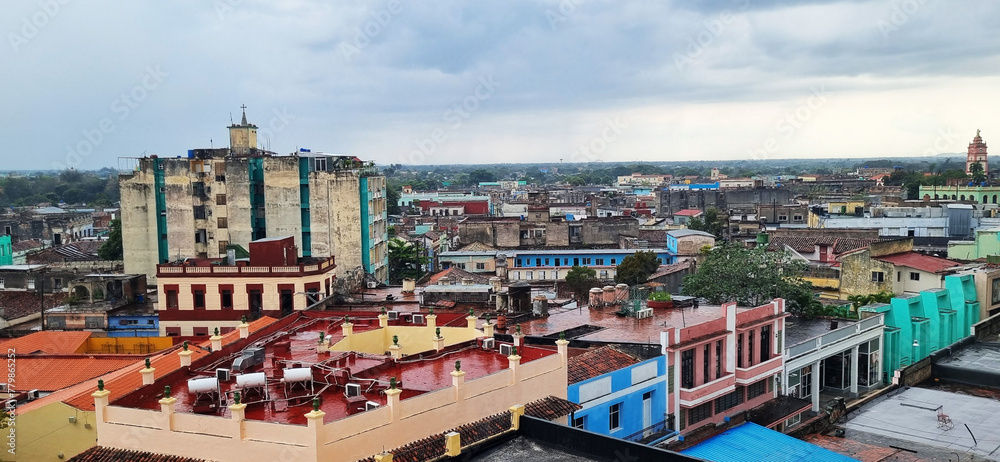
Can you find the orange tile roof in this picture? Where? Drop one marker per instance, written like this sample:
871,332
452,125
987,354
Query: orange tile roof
49,373
596,363
102,454
164,362
48,342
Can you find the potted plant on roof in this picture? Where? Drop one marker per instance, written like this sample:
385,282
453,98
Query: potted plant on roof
660,300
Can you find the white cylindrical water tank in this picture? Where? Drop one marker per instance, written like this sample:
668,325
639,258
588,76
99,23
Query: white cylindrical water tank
297,374
203,385
256,379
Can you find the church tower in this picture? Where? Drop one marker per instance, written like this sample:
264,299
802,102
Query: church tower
243,137
977,153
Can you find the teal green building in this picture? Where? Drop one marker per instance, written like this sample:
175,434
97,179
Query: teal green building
6,251
917,325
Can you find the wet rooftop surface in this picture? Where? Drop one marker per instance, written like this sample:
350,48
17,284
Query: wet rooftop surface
296,347
614,328
522,448
912,416
799,329
984,358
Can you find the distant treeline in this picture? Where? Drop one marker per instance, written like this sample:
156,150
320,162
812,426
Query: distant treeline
72,187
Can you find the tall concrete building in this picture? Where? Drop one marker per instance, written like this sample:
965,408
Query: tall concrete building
200,205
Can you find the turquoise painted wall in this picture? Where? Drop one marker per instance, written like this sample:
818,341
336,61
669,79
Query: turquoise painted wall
6,251
933,319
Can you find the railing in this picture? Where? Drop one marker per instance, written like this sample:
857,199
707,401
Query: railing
171,270
650,433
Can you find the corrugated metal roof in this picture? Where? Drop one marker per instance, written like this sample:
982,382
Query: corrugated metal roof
754,442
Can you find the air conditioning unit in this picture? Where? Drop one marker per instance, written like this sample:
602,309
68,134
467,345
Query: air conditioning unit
489,343
222,374
393,315
369,405
353,389
418,319
506,349
3,387
372,284
644,313
33,395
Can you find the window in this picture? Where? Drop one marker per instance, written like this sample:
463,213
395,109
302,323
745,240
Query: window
547,262
613,260
220,199
782,217
541,275
57,283
614,417
765,343
899,276
580,422
223,247
200,331
739,351
199,299
697,414
223,222
604,274
517,262
31,283
199,212
600,261
200,237
914,276
2,286
687,368
705,362
226,299
729,401
538,262
718,359
796,217
586,261
6,230
878,276
480,266
173,331
756,389
172,299
750,349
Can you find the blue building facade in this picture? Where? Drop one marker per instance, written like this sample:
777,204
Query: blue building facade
542,265
134,325
628,403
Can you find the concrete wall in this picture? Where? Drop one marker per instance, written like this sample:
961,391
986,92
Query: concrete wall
856,275
138,211
46,433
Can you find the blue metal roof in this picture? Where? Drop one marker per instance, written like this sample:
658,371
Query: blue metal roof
754,442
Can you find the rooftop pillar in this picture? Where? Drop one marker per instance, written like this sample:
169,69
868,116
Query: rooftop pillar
453,444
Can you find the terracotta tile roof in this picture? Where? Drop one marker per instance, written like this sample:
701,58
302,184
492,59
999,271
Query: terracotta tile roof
477,247
808,244
164,362
551,408
50,373
919,261
456,275
18,303
21,246
103,454
433,446
596,363
670,269
688,213
47,342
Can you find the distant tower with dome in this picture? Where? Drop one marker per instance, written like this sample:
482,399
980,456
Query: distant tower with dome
977,153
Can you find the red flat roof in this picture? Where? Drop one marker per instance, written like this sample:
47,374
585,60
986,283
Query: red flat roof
919,261
416,374
613,328
688,213
47,342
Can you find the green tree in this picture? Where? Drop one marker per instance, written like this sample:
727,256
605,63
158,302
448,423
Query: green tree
636,268
481,175
752,277
581,279
977,173
406,260
710,222
392,200
861,300
111,249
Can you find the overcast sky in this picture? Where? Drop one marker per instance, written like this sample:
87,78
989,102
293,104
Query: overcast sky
85,83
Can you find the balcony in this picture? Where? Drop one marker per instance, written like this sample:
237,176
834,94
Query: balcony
180,270
691,397
754,373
